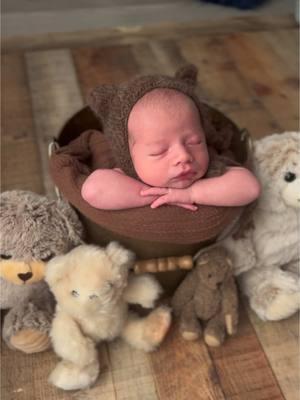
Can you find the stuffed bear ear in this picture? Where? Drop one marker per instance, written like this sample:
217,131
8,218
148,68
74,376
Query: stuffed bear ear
100,100
188,73
56,269
120,256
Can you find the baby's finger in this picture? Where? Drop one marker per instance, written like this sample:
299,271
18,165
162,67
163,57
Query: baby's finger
191,207
159,202
119,170
154,191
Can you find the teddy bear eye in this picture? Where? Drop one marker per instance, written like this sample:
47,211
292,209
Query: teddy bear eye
93,296
74,293
289,177
5,256
47,258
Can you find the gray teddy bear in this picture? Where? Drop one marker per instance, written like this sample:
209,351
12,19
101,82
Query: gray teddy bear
33,230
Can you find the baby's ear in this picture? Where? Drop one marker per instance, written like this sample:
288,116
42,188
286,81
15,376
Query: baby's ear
188,73
100,99
120,256
56,270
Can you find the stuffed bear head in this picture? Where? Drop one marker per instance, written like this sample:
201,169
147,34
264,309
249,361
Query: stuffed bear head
33,230
213,266
277,165
89,278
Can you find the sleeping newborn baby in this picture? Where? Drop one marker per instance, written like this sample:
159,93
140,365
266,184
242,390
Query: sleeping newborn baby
169,153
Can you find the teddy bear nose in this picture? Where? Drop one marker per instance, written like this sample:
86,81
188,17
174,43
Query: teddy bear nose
25,277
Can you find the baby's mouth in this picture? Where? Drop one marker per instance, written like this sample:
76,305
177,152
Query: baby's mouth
186,175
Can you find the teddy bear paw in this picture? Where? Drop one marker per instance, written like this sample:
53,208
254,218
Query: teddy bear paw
187,335
282,306
69,376
30,341
212,341
156,326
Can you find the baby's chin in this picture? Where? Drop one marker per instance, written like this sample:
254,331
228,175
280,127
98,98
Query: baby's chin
183,184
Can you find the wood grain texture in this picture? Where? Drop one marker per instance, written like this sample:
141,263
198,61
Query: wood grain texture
267,77
107,65
136,34
55,97
236,370
257,121
219,80
131,373
184,370
242,367
280,341
19,152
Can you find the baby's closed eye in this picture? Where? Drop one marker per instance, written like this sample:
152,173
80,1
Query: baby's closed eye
158,153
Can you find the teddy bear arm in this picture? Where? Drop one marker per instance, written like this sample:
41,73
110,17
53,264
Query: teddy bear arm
143,290
69,342
26,327
242,253
185,292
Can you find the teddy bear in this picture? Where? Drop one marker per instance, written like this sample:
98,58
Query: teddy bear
93,288
208,294
266,256
33,230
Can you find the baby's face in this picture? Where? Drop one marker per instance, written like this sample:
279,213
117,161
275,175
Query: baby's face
167,144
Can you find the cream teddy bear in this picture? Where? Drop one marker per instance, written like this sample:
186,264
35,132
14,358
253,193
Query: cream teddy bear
267,257
93,288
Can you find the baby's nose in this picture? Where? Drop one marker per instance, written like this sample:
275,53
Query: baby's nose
182,155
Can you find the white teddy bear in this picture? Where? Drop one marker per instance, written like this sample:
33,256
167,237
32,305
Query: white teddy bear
92,289
266,258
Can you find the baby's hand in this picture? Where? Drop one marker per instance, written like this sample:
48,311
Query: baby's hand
177,197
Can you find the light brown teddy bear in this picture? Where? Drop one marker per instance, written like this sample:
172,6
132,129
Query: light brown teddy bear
208,293
93,289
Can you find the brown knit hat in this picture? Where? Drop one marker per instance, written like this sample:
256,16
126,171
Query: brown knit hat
112,105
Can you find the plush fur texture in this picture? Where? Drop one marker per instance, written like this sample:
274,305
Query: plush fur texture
267,257
93,289
33,229
208,294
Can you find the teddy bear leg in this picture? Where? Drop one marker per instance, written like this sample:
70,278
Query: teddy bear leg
273,294
26,328
274,304
189,325
147,333
69,376
214,332
70,343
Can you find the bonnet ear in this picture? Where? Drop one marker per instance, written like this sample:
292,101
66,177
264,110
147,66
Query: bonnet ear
188,74
100,100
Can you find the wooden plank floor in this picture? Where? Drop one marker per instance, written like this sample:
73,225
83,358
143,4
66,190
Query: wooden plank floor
250,73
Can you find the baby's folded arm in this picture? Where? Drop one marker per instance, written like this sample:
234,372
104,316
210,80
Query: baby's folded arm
109,189
236,187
